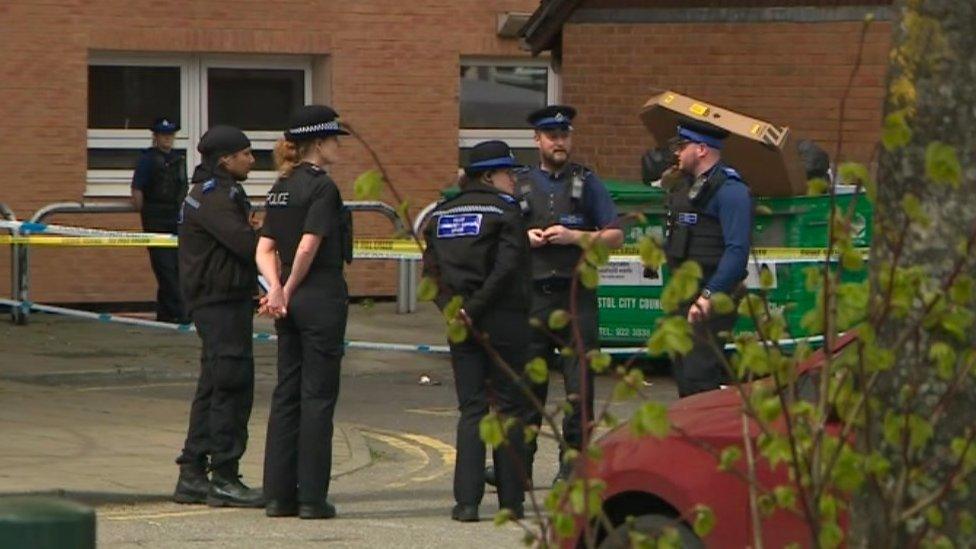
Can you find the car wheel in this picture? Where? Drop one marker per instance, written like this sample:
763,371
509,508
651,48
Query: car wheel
651,525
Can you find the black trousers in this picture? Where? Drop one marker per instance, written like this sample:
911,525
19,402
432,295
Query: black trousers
225,389
480,382
702,368
298,454
165,266
546,298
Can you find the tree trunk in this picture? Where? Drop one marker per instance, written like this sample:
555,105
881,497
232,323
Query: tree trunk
932,81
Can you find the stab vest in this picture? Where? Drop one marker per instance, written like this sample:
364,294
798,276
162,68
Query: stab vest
167,182
691,233
562,206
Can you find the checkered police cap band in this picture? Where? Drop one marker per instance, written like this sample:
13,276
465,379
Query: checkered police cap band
315,128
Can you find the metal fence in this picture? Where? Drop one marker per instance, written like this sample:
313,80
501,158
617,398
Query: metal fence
20,254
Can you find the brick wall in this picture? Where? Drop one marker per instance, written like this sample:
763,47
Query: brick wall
791,74
394,77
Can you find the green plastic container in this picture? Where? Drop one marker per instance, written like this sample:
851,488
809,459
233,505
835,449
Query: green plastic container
33,522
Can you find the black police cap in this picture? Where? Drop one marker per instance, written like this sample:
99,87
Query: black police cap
701,132
553,116
490,155
222,140
164,125
313,121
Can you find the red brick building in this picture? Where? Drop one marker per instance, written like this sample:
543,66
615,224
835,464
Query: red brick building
81,79
785,61
421,81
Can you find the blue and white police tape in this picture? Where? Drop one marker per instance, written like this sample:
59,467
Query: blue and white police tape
31,228
359,345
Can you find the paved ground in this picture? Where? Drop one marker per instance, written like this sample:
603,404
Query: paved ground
97,412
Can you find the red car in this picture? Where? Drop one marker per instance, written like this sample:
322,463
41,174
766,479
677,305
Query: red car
657,480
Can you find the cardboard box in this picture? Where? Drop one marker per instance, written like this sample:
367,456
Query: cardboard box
765,154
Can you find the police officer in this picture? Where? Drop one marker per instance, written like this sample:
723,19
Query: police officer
563,201
218,278
158,187
710,222
309,230
477,249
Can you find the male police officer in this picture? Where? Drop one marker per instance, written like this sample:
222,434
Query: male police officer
710,222
158,187
563,202
218,276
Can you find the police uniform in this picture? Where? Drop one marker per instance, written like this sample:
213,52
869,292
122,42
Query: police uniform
477,248
161,177
298,455
709,220
577,199
218,278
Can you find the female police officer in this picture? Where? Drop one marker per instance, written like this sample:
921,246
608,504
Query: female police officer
477,248
309,230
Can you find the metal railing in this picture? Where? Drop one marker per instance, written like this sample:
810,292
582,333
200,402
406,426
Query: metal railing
20,254
8,214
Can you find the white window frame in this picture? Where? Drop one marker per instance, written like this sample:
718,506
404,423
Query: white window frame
193,114
517,138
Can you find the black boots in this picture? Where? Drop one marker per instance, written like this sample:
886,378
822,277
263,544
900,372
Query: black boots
227,490
193,484
320,510
465,513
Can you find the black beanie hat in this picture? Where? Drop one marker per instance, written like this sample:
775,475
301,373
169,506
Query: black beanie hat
222,140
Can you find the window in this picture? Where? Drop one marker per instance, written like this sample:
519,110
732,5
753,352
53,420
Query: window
495,98
127,92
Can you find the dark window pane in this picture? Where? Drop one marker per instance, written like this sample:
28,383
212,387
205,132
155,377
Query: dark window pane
263,160
116,159
121,97
500,97
254,99
526,157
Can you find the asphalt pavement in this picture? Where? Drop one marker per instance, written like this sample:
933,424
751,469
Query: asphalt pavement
96,412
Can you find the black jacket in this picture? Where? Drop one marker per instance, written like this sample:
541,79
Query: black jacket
477,247
216,242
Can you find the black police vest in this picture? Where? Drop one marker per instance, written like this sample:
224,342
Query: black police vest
562,206
167,181
693,235
290,222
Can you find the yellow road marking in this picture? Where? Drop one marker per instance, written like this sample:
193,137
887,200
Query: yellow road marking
172,514
447,453
400,444
443,412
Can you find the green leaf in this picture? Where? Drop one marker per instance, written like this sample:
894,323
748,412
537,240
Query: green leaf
813,278
831,535
961,291
763,209
944,357
597,253
895,134
828,507
531,432
722,303
650,251
913,209
785,496
457,332
853,173
368,185
669,538
704,521
502,516
558,319
589,275
537,370
453,307
852,259
490,429
752,306
403,211
817,186
564,524
967,523
934,516
599,362
427,290
673,335
729,456
942,164
770,409
766,280
651,418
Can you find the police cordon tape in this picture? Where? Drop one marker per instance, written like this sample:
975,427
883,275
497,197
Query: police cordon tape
359,345
372,248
